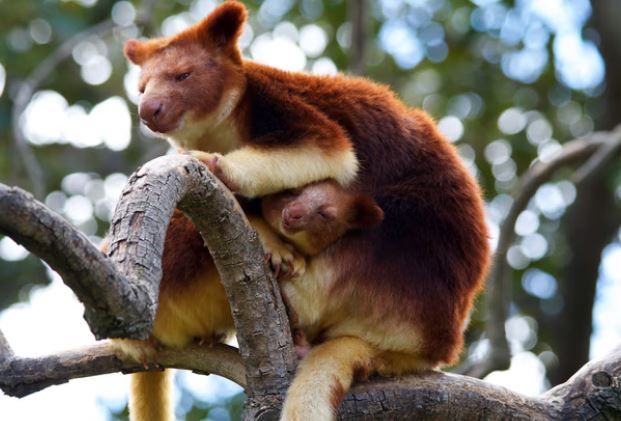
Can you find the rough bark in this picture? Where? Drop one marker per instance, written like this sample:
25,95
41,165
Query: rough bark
260,319
111,303
20,377
593,393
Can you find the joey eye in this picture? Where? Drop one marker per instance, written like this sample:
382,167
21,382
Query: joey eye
182,76
325,214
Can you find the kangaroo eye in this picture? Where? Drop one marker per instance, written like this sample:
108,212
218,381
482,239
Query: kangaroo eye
182,76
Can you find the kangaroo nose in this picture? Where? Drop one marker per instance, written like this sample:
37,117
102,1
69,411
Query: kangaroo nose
150,110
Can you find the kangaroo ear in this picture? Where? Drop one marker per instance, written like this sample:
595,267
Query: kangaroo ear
136,51
224,25
365,212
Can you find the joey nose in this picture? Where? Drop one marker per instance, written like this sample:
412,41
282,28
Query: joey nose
293,216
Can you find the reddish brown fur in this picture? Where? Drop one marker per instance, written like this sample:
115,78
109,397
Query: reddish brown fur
431,252
183,244
423,265
361,372
336,395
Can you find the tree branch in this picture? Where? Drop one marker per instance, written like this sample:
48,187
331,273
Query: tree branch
600,145
126,303
600,159
6,352
107,296
20,377
594,391
143,213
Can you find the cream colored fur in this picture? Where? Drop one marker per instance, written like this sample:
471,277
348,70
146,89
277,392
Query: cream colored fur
150,396
322,377
258,172
213,133
354,338
262,172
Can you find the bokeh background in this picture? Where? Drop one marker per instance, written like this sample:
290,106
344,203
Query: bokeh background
509,82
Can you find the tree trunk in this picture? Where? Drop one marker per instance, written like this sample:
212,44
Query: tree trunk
591,222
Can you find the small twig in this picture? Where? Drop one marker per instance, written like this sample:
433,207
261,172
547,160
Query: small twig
20,377
600,159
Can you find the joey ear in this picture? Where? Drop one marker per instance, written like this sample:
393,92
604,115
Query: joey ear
365,212
136,51
224,25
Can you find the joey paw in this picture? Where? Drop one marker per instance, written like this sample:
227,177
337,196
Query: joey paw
284,260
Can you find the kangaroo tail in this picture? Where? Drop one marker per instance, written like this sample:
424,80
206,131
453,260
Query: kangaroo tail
150,396
324,376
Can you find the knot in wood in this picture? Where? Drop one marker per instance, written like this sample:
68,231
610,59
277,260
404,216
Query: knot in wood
601,379
267,414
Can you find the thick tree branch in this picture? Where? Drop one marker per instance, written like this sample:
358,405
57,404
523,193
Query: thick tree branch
6,352
594,391
107,296
124,305
600,145
141,218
